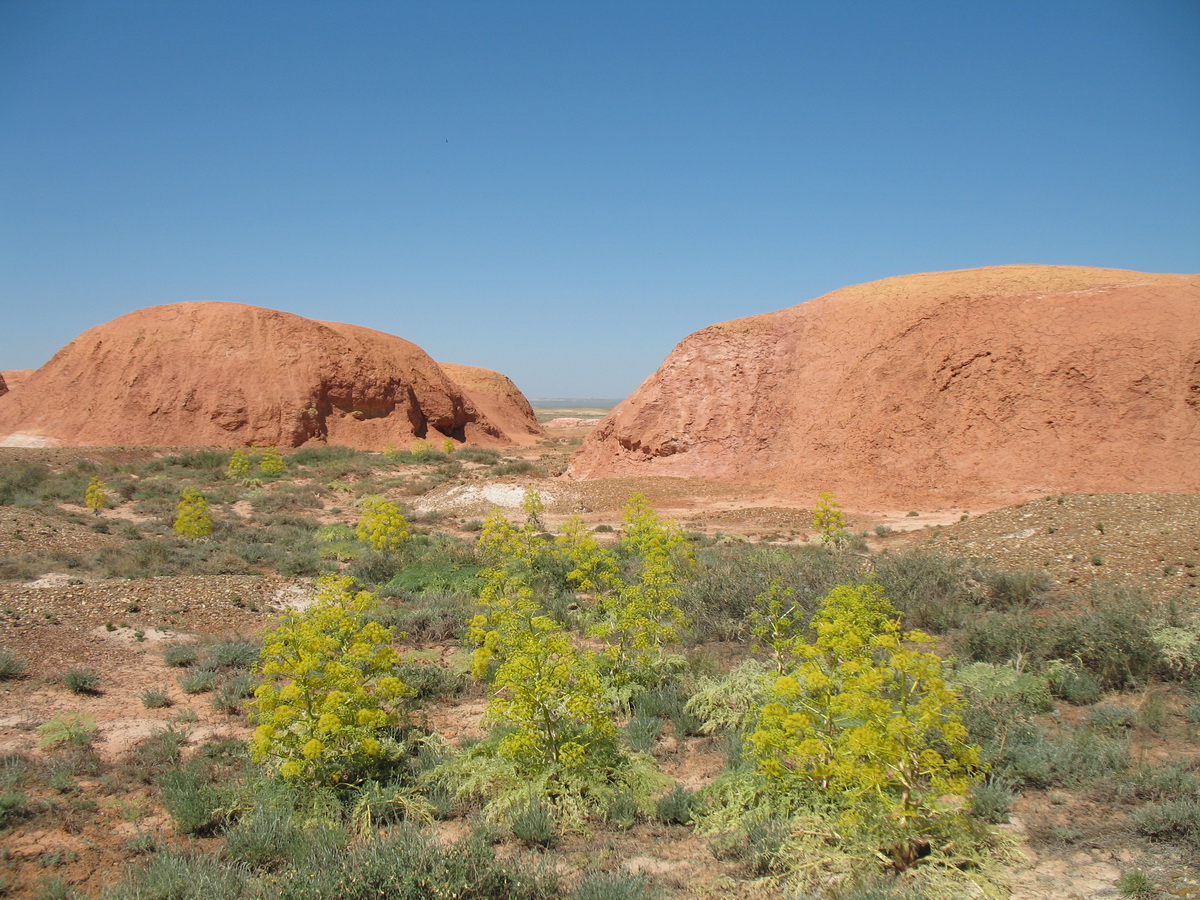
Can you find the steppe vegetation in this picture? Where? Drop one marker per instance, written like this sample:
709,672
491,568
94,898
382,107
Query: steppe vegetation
538,705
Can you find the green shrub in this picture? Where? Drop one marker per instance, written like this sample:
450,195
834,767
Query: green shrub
482,455
430,681
721,591
175,876
613,886
20,483
231,692
69,729
1113,639
730,703
1071,759
181,655
642,732
1006,636
432,617
275,834
198,682
1174,781
12,806
329,693
1076,686
156,698
533,824
82,681
197,806
11,665
1019,587
512,467
675,807
1006,687
1136,883
931,591
1111,717
623,811
409,865
991,799
155,754
233,653
1170,820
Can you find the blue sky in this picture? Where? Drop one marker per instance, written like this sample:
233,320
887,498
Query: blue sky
563,190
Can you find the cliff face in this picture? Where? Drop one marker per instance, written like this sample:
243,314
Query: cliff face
974,386
226,374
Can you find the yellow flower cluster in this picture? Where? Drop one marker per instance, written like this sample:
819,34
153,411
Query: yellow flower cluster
866,717
329,689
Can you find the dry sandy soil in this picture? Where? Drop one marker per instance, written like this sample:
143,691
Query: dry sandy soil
1075,844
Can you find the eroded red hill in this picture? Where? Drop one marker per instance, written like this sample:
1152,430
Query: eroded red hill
226,374
966,387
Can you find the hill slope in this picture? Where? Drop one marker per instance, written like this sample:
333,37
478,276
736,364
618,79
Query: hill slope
227,374
973,386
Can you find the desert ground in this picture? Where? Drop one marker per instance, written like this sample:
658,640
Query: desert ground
101,709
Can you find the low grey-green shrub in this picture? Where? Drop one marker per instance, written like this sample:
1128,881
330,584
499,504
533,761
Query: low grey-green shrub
410,865
234,653
1080,687
991,799
533,824
675,807
156,698
198,682
1111,717
1169,820
195,803
613,886
11,665
642,732
181,655
82,681
932,591
172,875
1017,587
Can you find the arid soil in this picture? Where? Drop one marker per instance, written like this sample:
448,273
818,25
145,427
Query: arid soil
978,387
1075,845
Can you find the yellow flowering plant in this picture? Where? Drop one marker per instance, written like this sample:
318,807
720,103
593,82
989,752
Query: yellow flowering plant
96,497
382,526
329,694
867,724
192,518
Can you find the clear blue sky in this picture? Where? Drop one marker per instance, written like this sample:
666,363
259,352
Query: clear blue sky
563,190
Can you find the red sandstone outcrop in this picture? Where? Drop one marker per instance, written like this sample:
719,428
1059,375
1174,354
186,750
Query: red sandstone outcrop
14,377
499,399
978,386
225,374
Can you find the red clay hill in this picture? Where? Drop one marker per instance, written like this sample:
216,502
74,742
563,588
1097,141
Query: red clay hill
974,387
225,374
